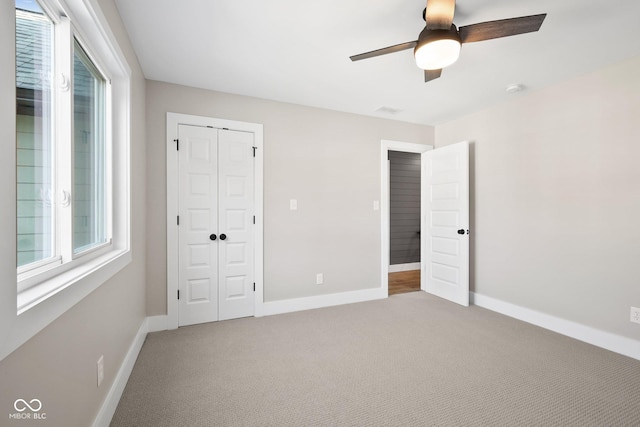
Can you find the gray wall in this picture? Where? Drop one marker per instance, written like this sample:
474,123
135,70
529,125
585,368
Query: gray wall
404,207
58,365
556,198
327,160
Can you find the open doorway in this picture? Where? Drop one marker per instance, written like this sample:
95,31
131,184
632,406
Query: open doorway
404,222
444,234
400,205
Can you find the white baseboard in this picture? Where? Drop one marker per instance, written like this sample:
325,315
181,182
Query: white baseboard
395,268
320,301
161,323
616,343
158,323
103,419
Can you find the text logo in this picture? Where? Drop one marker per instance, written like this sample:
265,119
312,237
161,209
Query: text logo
21,406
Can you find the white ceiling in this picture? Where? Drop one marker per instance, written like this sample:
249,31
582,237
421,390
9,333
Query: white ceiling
298,51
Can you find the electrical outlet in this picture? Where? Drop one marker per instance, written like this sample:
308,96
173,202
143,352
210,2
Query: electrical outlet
635,315
319,279
100,364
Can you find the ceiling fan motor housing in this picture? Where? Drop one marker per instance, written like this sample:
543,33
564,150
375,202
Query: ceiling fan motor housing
436,48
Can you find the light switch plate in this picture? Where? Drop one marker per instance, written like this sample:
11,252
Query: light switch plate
293,204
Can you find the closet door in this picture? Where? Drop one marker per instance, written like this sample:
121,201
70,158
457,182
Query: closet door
198,223
216,225
235,198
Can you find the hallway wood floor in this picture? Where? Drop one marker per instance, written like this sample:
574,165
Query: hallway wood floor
404,281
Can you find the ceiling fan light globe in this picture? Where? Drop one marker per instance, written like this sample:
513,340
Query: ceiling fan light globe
437,54
437,49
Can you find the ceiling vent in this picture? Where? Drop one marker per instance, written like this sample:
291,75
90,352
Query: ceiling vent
388,110
515,88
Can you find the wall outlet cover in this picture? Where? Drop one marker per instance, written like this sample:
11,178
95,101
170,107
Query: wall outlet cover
635,314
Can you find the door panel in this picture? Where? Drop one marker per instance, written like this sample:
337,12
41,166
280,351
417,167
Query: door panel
445,211
236,297
198,183
216,197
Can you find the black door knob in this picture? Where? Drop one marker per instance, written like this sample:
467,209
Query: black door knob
461,231
223,237
213,237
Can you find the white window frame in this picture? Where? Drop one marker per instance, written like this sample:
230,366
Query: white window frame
45,293
65,258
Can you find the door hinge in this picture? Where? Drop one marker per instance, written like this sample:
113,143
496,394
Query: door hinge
254,151
254,286
177,141
254,219
178,293
178,220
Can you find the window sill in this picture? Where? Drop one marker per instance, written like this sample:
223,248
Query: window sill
88,275
43,304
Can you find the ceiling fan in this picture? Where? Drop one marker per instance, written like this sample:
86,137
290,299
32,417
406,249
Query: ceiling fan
438,45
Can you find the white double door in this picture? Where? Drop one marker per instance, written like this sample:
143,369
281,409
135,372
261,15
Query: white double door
215,224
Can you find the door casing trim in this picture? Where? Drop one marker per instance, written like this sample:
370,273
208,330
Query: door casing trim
173,120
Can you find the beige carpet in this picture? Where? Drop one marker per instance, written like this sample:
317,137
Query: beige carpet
409,360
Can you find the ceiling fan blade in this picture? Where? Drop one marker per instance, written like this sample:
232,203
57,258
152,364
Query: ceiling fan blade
384,50
432,75
439,14
501,28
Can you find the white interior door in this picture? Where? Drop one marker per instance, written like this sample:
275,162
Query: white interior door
445,222
198,213
236,284
216,211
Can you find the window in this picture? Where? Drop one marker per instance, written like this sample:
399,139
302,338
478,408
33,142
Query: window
89,153
69,141
34,134
62,186
72,229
